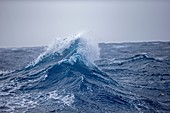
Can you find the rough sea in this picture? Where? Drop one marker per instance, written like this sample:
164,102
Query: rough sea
70,76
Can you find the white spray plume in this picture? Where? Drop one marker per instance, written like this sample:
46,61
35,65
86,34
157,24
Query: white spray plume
87,47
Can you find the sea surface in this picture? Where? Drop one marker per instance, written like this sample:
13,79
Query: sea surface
71,77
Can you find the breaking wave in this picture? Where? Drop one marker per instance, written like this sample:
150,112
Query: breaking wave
65,79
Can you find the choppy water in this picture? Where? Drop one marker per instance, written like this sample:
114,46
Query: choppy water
128,77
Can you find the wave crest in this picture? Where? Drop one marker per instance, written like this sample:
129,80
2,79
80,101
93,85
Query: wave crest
71,48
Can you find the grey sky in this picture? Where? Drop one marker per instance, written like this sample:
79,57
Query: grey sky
34,23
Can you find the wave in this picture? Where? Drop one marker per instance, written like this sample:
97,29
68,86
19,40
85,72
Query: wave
66,78
69,49
121,61
69,64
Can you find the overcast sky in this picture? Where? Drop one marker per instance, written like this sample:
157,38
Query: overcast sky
35,23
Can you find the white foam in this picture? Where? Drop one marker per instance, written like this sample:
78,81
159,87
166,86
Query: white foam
161,58
31,100
66,100
20,101
5,72
87,47
120,46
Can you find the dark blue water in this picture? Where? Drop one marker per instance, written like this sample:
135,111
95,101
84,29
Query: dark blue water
66,78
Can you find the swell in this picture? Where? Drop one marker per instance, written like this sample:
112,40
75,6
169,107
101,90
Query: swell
122,61
65,74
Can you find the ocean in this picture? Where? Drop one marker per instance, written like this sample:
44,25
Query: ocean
73,76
